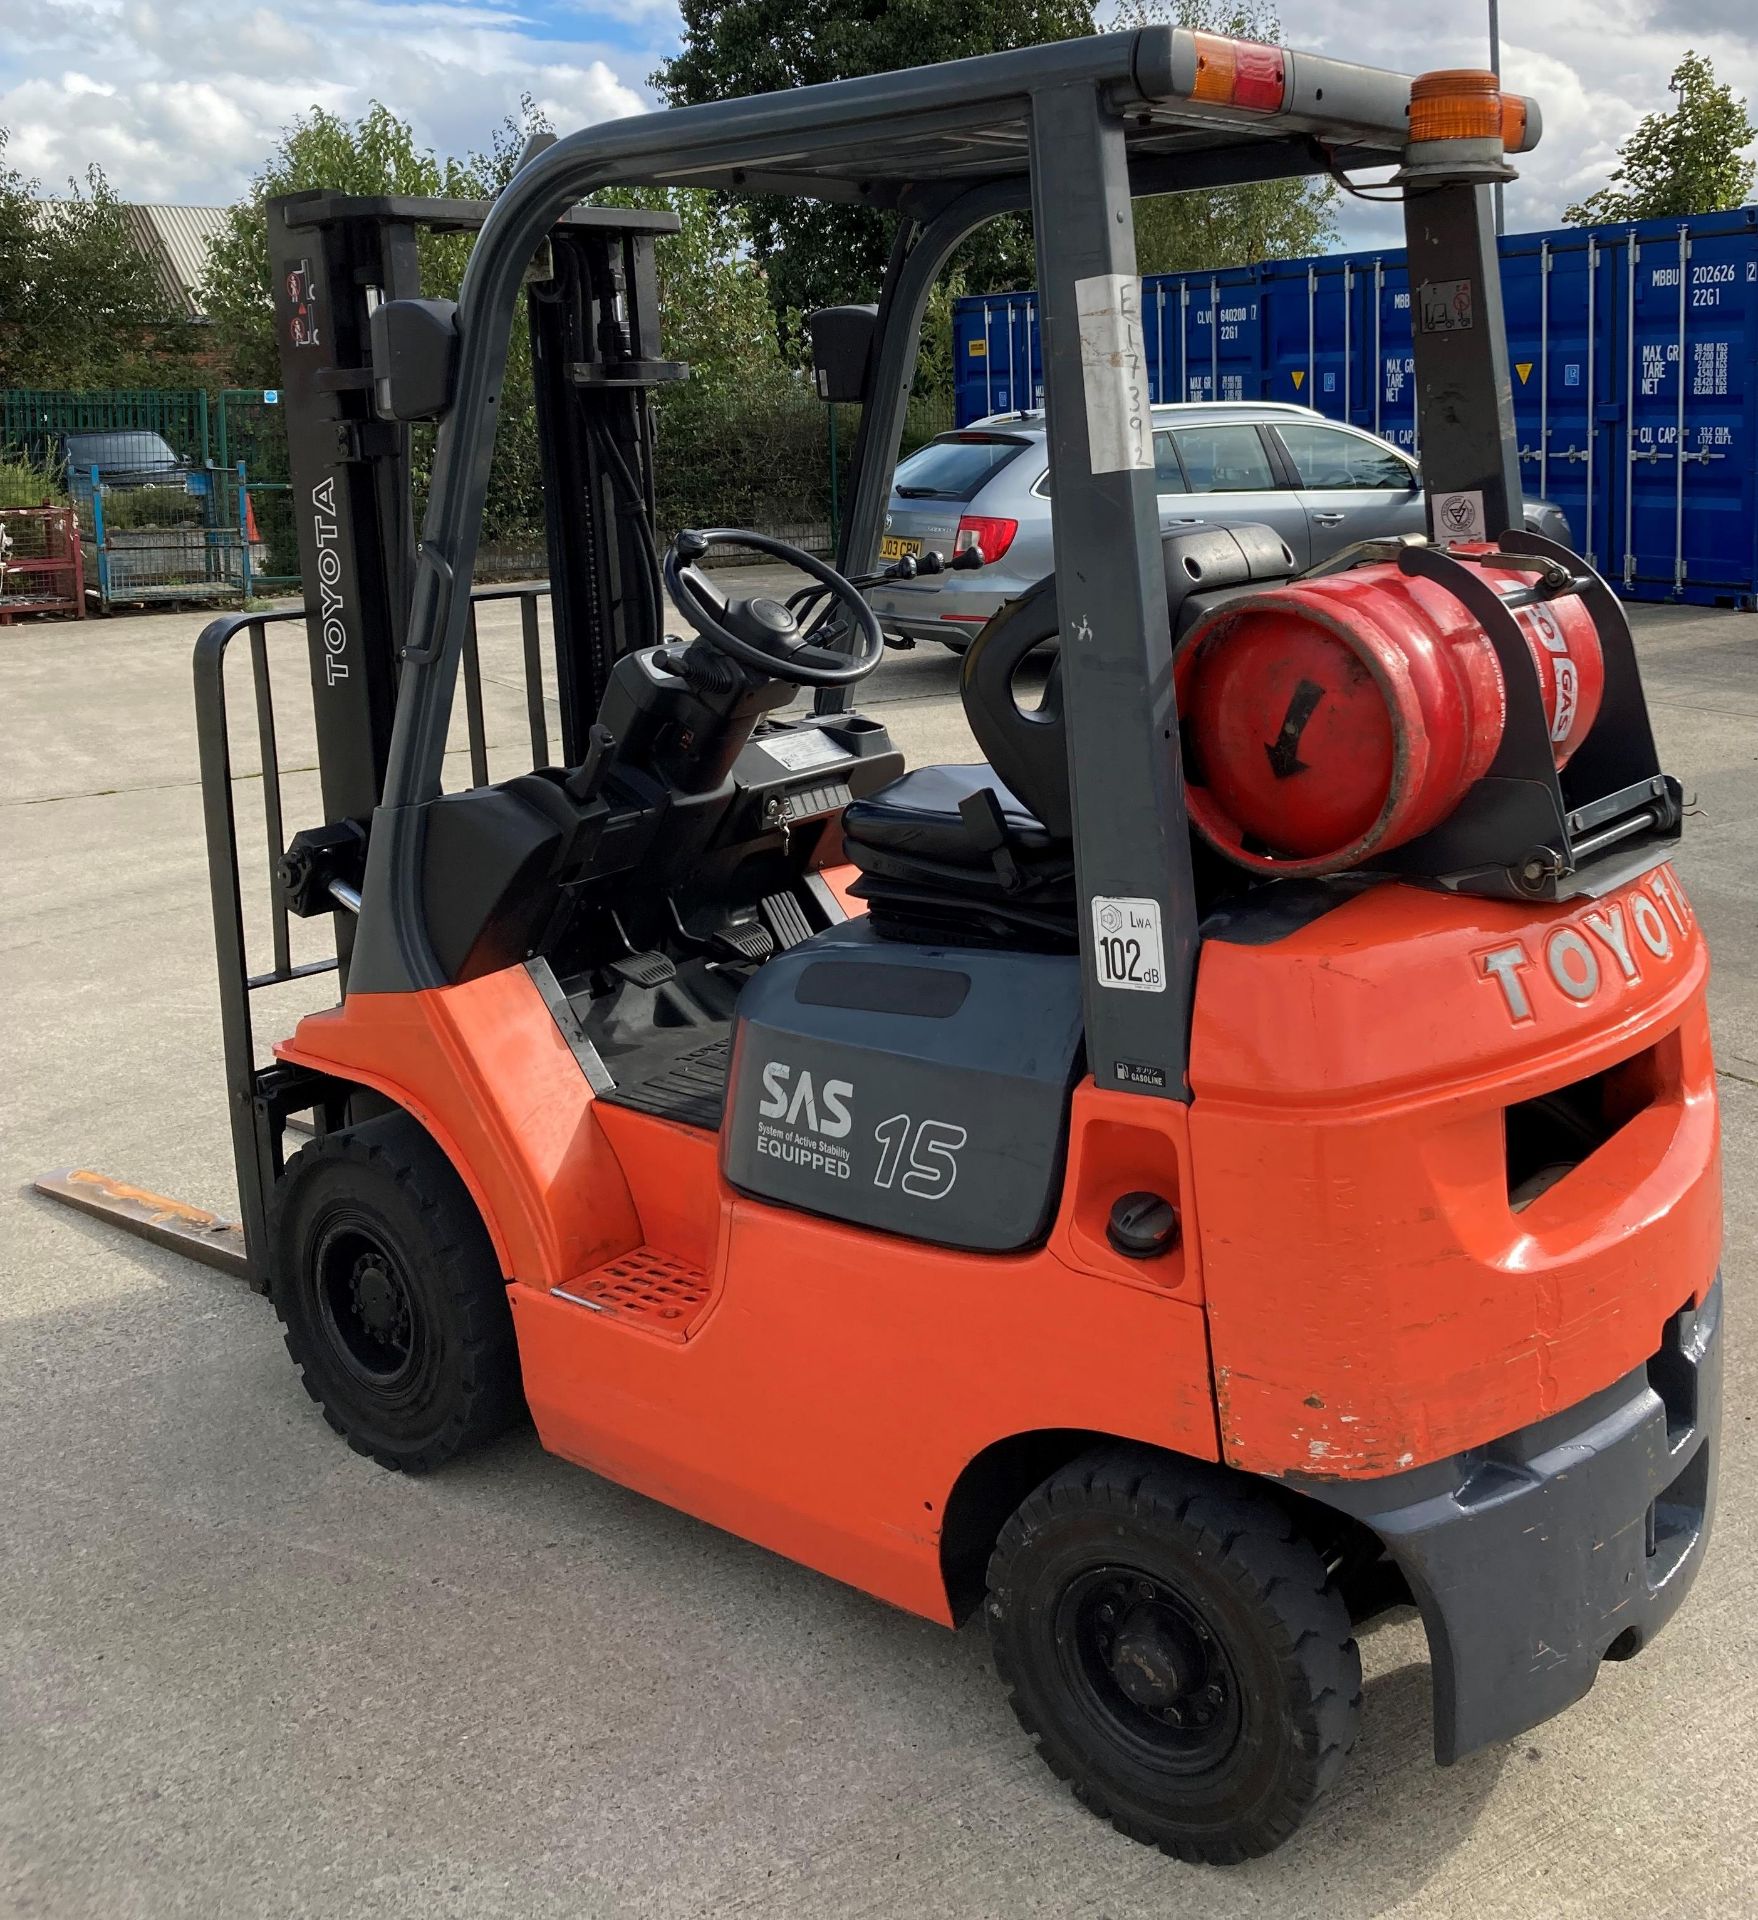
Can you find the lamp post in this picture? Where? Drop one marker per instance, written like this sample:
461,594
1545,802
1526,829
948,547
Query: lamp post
1495,67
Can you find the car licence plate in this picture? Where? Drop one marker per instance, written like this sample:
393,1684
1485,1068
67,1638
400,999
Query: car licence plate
895,547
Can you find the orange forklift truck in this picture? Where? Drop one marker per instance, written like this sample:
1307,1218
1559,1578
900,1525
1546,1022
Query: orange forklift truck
1241,1158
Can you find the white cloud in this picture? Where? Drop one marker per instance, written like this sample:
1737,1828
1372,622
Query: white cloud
179,100
187,102
1594,66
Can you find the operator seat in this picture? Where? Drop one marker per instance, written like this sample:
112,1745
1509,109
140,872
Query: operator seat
984,855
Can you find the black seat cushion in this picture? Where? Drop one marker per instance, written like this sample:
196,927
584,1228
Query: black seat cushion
917,819
926,876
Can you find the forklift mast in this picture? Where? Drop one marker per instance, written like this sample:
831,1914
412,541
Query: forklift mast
364,363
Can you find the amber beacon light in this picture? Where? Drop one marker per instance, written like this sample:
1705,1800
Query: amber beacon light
1457,104
1462,127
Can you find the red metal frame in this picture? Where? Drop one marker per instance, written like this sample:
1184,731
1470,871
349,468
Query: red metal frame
50,552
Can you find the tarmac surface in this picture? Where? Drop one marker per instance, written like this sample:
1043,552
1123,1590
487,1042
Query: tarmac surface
244,1672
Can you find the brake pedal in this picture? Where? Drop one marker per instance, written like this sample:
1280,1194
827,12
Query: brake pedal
645,969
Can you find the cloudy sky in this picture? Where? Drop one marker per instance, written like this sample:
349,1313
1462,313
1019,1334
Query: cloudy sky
179,100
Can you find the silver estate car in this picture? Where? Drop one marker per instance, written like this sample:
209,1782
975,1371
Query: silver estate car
1320,484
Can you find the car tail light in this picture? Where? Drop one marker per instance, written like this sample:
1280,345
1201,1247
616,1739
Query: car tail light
1456,104
1239,73
991,538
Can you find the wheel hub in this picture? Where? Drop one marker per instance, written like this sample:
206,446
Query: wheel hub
1153,1659
1152,1666
365,1307
379,1299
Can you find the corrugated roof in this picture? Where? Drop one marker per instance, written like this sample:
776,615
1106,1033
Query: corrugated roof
176,240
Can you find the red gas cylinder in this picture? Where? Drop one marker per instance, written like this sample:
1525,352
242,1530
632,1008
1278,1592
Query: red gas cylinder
1330,720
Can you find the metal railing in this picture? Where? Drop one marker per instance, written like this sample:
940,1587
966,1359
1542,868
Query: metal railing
259,1098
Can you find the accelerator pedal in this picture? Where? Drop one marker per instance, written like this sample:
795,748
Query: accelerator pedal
747,940
787,919
644,1288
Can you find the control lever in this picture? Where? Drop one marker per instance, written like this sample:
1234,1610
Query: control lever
600,745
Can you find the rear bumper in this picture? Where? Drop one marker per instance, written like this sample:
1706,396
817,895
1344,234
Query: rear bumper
1561,1545
917,612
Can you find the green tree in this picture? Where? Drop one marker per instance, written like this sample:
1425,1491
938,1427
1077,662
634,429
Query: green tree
80,305
714,303
379,154
1228,226
376,154
715,306
815,253
1684,161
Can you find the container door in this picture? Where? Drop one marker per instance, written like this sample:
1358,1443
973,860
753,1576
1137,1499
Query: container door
1651,341
1557,301
1719,424
1161,309
1362,376
973,359
1330,330
1395,356
1525,275
995,340
1221,358
1688,502
1288,298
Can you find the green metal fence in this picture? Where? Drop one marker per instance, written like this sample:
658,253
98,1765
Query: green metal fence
32,419
775,460
251,438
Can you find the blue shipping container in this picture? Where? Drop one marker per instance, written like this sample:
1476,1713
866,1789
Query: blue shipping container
1635,376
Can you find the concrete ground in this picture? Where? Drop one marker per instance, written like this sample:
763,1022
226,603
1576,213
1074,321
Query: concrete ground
243,1672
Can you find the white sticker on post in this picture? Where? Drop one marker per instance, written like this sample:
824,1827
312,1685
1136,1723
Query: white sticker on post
1114,368
1127,947
1460,516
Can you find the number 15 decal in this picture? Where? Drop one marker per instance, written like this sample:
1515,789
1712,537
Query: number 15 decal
933,1155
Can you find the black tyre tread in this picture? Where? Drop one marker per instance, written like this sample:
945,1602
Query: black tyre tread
397,1146
1253,1539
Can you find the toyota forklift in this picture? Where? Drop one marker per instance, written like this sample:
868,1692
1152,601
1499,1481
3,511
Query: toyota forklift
1240,1156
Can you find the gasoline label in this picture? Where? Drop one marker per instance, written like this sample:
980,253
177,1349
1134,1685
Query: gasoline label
1127,946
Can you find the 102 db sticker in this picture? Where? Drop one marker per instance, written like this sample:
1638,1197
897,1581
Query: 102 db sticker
1127,946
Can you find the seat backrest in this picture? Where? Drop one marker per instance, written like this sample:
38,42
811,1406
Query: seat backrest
1028,746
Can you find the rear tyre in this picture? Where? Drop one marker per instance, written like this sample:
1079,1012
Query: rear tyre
394,1307
1178,1652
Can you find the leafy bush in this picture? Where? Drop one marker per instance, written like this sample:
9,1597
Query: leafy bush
27,482
128,508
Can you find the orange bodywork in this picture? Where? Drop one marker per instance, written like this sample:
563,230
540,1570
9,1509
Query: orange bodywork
1371,1298
1374,1301
825,1400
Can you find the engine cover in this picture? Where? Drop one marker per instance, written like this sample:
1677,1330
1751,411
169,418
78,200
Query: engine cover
921,1090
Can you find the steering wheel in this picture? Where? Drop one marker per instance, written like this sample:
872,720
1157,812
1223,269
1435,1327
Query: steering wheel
761,632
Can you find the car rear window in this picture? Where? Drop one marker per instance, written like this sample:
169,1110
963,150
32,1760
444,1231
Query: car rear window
119,450
957,466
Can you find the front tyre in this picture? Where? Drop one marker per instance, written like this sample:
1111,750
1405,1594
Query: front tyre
1178,1651
394,1307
